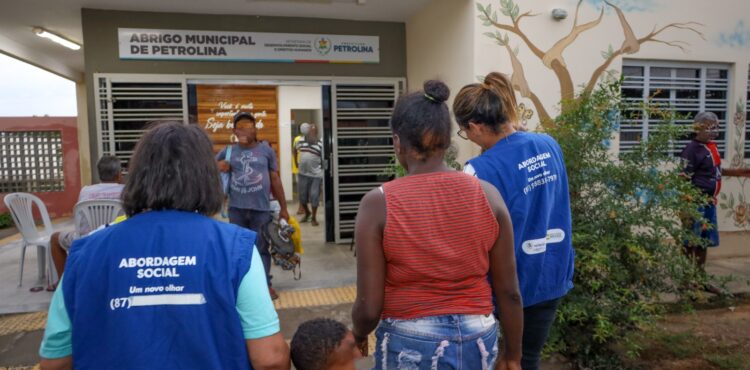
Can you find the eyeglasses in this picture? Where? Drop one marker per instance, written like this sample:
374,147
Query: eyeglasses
462,134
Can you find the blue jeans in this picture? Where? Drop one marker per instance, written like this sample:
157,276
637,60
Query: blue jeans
255,221
457,342
537,321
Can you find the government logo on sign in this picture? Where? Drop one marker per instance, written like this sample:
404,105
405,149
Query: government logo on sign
323,45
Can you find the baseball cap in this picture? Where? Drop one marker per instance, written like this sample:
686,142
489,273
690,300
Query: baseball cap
243,115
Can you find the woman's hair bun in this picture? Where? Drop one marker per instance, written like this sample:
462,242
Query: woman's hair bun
437,90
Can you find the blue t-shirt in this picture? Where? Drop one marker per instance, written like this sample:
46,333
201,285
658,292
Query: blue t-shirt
211,295
529,172
250,184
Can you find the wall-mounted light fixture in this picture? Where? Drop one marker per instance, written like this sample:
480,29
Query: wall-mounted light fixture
41,32
559,14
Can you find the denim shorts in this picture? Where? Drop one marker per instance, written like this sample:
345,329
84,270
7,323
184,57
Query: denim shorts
467,342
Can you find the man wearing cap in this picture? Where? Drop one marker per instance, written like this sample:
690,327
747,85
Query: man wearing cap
255,175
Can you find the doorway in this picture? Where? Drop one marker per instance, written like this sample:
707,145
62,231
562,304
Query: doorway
353,113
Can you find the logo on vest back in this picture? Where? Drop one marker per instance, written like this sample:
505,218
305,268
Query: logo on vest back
536,246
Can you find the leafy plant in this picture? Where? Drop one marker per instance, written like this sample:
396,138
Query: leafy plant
626,228
5,220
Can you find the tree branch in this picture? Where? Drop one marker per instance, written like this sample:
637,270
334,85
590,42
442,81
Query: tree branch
555,52
563,75
683,26
519,82
677,44
518,19
651,37
517,31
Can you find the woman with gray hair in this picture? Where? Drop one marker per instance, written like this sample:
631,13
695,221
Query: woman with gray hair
702,165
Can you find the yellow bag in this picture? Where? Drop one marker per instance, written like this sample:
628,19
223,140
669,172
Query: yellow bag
297,236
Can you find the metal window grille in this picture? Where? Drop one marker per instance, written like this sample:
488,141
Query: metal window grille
31,161
127,108
362,146
685,88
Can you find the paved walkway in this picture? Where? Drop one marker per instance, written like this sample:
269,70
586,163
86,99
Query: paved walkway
325,290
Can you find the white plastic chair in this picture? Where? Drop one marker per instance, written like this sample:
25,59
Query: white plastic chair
96,213
21,209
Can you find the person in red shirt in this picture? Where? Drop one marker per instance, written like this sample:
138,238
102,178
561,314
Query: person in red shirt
422,265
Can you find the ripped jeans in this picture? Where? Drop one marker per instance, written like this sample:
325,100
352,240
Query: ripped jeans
467,342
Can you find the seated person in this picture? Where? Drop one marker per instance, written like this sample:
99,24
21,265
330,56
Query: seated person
324,344
110,172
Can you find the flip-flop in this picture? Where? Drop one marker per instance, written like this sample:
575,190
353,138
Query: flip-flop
305,219
36,289
315,223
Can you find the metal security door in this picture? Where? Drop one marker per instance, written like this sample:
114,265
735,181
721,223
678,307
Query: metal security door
126,105
362,144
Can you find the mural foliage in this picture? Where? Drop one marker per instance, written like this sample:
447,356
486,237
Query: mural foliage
737,204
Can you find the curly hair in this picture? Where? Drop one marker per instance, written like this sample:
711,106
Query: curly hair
315,341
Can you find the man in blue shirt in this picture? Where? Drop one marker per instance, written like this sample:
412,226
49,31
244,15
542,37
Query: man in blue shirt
255,176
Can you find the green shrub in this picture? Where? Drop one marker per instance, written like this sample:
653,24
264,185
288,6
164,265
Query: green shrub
5,220
626,229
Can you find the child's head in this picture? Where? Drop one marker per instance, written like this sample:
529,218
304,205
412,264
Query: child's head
323,344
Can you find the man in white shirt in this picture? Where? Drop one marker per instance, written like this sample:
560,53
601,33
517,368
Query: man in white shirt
110,172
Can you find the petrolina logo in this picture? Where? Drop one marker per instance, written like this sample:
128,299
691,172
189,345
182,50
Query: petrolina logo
323,45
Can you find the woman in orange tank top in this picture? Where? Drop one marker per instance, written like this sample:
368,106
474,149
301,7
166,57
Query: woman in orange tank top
425,246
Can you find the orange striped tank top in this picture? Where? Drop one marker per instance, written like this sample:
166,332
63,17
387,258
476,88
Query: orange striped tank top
438,233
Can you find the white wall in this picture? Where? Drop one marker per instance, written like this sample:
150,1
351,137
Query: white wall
726,39
292,97
83,134
439,44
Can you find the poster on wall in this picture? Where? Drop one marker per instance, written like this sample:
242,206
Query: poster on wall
137,43
217,105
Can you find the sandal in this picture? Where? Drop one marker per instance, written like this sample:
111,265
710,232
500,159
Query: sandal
305,219
315,223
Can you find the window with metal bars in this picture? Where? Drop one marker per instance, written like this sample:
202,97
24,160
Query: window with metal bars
686,88
127,108
31,161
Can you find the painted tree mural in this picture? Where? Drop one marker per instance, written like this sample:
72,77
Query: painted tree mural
736,205
553,57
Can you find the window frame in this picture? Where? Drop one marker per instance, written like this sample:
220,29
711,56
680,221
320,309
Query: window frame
703,82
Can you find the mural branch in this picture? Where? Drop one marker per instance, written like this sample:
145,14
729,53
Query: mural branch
553,58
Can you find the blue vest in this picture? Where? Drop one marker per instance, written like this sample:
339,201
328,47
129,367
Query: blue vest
529,172
158,291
